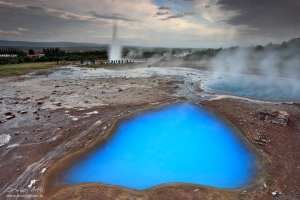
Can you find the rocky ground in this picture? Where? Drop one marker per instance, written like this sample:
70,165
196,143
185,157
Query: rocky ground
46,118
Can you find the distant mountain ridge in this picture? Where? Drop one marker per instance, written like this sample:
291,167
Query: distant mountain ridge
23,44
48,44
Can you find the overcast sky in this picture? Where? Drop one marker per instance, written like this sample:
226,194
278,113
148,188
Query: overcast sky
164,23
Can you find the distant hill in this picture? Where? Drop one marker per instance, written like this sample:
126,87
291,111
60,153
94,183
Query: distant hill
5,43
72,46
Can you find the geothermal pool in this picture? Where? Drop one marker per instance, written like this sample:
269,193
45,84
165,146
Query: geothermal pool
178,143
257,87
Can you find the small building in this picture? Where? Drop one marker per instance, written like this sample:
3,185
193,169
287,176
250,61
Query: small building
33,56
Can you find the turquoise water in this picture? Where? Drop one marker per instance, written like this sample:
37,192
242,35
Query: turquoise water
264,88
179,143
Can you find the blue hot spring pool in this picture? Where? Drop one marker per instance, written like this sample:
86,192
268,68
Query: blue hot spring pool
178,143
257,87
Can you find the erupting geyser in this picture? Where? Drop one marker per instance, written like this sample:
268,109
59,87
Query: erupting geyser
115,47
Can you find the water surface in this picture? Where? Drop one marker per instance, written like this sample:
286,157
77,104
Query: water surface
179,143
257,87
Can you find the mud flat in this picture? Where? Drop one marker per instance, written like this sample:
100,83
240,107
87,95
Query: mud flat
48,118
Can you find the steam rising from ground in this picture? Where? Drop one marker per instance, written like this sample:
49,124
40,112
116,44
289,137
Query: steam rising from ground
278,68
269,63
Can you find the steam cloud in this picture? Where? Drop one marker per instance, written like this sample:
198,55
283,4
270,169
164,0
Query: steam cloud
269,63
279,69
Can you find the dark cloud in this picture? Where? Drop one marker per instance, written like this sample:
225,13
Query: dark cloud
179,15
113,16
164,8
35,8
24,22
37,11
266,15
162,13
189,13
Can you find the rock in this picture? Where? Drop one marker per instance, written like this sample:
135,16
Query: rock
37,118
16,133
43,98
86,101
10,117
120,89
2,121
261,138
34,112
57,86
4,139
57,103
24,112
275,116
8,113
52,100
275,193
40,102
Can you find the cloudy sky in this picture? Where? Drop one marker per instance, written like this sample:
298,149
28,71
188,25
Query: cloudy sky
164,23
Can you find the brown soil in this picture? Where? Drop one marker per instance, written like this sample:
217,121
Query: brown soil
49,133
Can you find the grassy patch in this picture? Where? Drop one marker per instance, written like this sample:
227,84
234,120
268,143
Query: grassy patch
24,68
